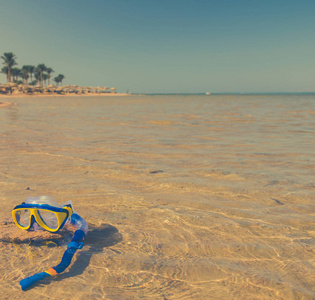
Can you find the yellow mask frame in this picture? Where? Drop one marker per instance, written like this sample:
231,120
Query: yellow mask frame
36,213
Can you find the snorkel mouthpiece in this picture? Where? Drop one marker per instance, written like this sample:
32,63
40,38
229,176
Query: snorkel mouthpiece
49,215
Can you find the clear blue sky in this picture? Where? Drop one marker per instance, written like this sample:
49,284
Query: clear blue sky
167,45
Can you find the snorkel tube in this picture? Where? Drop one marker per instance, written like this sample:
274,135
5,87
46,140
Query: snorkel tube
75,244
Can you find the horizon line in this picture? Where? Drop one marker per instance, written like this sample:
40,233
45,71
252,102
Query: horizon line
223,93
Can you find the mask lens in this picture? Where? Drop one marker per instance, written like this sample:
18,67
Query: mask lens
49,218
23,217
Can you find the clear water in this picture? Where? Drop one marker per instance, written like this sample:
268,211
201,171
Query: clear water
187,197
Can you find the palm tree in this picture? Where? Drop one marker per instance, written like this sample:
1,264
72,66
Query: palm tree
15,72
9,62
61,77
4,70
49,71
57,80
37,77
25,74
31,70
40,69
45,77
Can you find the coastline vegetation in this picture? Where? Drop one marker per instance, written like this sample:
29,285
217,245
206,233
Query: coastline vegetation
41,73
31,79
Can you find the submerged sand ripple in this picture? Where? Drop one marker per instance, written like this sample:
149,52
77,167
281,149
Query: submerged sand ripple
186,197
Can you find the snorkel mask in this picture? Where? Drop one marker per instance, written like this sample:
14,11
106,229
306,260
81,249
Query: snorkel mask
44,212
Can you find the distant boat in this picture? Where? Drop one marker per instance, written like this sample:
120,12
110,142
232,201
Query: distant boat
208,93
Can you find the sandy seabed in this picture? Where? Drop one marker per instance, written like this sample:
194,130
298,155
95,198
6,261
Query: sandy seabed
187,197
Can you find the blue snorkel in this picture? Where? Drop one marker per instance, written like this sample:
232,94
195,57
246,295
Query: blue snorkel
75,244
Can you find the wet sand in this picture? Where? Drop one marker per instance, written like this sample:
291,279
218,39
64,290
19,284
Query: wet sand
5,104
187,197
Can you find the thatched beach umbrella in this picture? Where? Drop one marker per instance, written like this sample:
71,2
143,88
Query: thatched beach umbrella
78,88
11,84
22,88
3,88
59,90
51,88
38,88
29,89
89,89
84,90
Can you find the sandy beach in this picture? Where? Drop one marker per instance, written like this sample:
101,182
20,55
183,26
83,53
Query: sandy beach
187,197
5,104
9,96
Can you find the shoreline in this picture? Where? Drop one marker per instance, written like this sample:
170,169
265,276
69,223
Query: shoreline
4,104
61,95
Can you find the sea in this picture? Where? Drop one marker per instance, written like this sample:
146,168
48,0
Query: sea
186,196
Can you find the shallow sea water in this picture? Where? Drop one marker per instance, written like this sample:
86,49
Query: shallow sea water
187,197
